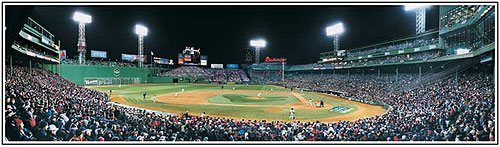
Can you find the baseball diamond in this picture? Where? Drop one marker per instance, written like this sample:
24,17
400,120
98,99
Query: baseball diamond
241,103
250,73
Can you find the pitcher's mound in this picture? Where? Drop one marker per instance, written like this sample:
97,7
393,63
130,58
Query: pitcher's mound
255,98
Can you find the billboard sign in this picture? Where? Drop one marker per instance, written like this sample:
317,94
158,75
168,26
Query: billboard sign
45,40
131,58
275,59
97,54
203,60
232,66
128,57
62,54
187,58
158,60
217,65
180,60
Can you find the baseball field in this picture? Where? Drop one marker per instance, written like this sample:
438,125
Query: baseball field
239,101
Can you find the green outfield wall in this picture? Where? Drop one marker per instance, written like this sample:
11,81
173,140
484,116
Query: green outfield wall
103,75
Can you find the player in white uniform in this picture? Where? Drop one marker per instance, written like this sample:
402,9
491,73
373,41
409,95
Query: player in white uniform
310,102
233,88
271,90
154,99
292,112
176,94
182,89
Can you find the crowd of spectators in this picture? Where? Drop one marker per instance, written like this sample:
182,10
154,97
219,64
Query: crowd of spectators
208,74
459,15
97,62
35,50
391,47
420,56
43,106
266,77
236,75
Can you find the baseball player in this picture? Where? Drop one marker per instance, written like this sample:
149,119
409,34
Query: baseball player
292,112
154,99
310,102
233,88
182,89
176,94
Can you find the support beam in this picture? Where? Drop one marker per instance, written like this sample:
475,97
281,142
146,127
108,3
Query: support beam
378,75
257,55
141,51
419,72
82,45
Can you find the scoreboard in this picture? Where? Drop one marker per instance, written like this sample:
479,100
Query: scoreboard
191,56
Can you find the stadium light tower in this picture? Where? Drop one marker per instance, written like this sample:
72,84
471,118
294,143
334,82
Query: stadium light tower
141,31
420,19
257,44
335,31
82,19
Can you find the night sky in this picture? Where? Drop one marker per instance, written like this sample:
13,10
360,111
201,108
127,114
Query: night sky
223,32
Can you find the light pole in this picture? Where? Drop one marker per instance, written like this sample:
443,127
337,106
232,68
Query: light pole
82,19
257,44
420,18
141,31
335,31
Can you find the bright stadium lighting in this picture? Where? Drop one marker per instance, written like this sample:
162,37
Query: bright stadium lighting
258,43
414,7
82,18
420,16
141,30
335,30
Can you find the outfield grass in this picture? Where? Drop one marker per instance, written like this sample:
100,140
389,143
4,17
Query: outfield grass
267,99
133,94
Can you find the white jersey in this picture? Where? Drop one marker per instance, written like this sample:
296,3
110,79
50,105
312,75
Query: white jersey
292,112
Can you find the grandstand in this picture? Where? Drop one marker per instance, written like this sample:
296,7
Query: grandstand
435,86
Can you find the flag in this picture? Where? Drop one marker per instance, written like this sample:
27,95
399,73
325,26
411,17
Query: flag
152,53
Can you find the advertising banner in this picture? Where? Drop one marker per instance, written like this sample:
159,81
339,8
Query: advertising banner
45,40
217,65
232,66
131,58
203,62
180,60
158,60
62,54
128,57
97,54
187,58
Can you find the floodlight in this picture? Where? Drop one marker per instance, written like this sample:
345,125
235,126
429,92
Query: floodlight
141,30
414,7
82,18
335,30
258,43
